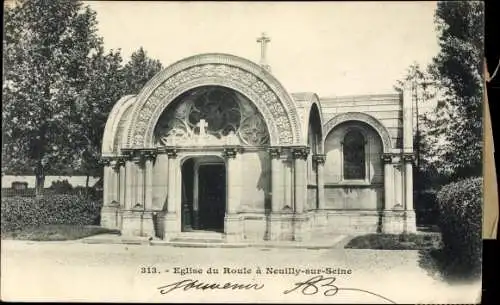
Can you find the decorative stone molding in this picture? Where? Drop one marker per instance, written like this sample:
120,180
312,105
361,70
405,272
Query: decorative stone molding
275,152
319,159
276,106
300,152
388,157
408,157
231,151
365,118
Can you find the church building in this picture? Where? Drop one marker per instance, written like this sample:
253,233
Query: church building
215,143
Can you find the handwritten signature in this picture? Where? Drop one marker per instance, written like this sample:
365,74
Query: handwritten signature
312,286
325,285
188,284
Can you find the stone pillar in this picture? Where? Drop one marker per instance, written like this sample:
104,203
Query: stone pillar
410,217
129,184
300,229
122,182
110,212
276,179
148,221
407,119
172,221
172,174
232,221
300,183
319,161
139,183
148,188
106,186
388,181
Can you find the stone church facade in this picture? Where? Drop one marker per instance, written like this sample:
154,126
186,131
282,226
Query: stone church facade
215,143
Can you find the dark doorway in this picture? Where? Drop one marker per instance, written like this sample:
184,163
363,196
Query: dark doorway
211,197
203,196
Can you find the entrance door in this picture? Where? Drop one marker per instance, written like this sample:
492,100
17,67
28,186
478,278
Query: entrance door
211,197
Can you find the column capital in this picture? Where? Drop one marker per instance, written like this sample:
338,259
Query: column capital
171,153
120,162
105,161
319,158
275,152
148,155
408,157
387,158
230,152
300,152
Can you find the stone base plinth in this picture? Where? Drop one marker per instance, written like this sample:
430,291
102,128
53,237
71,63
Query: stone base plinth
301,227
233,228
137,223
111,217
398,221
281,226
171,225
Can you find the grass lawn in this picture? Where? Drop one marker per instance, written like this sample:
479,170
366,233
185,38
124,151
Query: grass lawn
56,232
396,241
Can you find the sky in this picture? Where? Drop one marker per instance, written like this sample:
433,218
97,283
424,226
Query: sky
330,48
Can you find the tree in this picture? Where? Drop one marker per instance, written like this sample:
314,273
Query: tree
138,71
47,45
103,87
458,72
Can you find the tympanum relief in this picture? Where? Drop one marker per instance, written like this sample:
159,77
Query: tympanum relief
211,116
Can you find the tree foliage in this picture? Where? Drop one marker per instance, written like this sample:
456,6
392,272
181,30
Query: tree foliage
139,70
59,85
46,48
457,70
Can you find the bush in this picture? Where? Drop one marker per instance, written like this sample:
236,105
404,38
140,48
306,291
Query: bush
460,215
20,212
61,186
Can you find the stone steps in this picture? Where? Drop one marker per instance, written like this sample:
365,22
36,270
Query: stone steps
198,237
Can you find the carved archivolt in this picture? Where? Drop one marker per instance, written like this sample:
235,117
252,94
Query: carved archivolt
282,124
361,117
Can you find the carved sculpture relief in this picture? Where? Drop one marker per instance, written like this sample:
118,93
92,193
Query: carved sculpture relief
211,116
267,101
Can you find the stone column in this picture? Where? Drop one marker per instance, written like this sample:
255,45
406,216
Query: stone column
122,182
388,181
300,190
107,181
232,221
110,210
410,221
172,175
148,188
408,190
276,179
139,182
172,224
129,184
319,160
300,185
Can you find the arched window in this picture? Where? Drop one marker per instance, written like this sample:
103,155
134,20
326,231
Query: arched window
354,155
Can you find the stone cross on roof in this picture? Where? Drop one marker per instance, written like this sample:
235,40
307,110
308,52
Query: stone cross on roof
263,40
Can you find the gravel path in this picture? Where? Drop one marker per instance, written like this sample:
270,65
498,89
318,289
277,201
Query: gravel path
95,272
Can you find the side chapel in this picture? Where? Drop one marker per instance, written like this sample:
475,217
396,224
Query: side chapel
214,143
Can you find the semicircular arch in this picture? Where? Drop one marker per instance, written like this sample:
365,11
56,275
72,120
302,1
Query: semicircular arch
268,95
361,117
